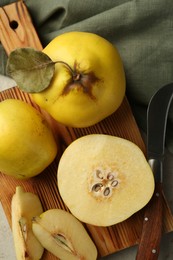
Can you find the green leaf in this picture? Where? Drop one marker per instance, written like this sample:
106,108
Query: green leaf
31,69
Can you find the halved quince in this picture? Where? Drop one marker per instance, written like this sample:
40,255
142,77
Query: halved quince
104,179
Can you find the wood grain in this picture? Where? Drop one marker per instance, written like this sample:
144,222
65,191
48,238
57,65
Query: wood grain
17,30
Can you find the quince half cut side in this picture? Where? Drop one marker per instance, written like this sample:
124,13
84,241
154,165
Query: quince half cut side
104,179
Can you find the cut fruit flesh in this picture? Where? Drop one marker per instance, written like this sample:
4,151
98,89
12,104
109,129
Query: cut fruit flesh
104,179
24,206
63,235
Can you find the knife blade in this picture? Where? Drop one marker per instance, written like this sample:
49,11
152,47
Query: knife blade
157,114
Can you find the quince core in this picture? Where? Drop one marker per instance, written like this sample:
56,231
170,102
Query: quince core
104,179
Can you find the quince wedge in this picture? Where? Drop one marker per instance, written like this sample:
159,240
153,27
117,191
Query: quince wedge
104,179
24,206
63,235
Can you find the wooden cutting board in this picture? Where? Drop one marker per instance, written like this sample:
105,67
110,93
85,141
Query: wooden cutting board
17,30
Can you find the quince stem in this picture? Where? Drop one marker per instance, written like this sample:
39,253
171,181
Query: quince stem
76,76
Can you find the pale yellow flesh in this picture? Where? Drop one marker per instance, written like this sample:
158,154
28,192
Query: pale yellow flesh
59,222
78,165
24,207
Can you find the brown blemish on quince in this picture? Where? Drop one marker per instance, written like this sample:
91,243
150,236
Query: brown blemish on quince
81,81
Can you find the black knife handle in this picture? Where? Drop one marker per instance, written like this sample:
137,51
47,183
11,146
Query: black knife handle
149,244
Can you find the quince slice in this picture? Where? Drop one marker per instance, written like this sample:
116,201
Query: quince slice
63,235
104,179
24,206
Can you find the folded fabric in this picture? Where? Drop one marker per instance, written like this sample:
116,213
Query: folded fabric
142,30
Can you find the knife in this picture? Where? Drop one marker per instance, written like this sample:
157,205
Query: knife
157,114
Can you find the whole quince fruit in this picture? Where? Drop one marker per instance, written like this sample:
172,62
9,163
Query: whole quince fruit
27,142
89,80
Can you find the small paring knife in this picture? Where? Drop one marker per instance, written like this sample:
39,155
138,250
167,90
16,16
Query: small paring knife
157,114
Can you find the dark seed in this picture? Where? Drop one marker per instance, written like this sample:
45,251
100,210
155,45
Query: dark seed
114,183
106,191
97,187
99,174
110,176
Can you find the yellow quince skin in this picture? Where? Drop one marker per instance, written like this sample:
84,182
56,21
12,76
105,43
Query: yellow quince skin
89,80
27,142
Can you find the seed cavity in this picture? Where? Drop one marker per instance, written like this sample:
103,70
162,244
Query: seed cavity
99,174
23,228
63,242
106,191
110,176
103,182
114,183
97,187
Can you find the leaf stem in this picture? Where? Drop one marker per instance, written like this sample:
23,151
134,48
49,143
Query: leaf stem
76,76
